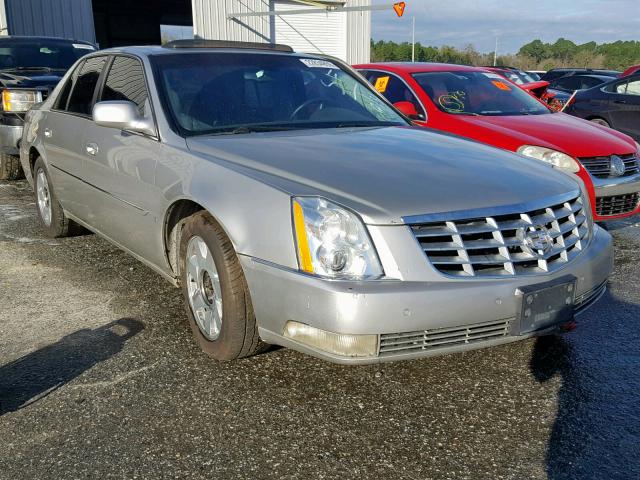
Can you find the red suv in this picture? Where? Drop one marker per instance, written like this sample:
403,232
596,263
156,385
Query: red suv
484,106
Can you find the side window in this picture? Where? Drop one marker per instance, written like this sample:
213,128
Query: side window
588,82
394,89
568,83
63,97
125,81
81,100
633,87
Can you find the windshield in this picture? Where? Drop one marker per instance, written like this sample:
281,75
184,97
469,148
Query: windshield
40,54
207,93
477,93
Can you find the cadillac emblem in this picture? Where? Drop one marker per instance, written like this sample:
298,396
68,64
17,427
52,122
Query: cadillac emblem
536,240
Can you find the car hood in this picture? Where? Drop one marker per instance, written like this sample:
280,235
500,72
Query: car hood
387,173
559,131
30,79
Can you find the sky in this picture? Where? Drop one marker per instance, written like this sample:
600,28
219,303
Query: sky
515,22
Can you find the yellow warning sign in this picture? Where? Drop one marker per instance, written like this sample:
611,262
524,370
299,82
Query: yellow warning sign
381,84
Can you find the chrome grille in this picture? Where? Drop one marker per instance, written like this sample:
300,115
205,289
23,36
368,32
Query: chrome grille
494,245
409,342
601,166
617,204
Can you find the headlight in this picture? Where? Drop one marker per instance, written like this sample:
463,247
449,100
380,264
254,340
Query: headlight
557,159
332,241
20,100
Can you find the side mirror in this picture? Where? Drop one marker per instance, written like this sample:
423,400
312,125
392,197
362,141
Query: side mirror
409,109
122,115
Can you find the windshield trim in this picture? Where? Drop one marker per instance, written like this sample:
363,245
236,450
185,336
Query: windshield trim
177,128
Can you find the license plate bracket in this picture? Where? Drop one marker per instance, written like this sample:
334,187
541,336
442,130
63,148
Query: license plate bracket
547,304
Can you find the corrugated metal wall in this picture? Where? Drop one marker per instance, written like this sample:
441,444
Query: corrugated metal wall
358,33
3,20
55,18
323,32
210,21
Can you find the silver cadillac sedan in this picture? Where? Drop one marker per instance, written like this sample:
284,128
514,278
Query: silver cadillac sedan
294,206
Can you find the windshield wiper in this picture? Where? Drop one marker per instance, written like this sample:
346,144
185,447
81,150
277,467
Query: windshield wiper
368,124
248,129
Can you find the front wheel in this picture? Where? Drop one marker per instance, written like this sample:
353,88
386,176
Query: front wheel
215,291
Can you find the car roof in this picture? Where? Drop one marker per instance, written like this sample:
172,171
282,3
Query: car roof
419,67
597,71
604,78
153,50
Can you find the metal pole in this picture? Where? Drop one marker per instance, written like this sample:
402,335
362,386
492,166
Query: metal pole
495,54
328,9
413,39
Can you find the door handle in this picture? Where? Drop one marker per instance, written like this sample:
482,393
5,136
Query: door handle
48,133
92,148
620,101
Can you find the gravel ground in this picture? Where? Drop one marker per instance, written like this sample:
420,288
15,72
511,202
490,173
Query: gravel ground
99,378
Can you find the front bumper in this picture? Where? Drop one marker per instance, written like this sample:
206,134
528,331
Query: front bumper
10,136
608,190
393,307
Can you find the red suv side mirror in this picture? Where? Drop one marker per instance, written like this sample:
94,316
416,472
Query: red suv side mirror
408,108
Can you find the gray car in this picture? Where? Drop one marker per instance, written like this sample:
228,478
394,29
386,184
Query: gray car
294,206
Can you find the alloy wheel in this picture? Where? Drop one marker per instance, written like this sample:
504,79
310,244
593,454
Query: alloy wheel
203,286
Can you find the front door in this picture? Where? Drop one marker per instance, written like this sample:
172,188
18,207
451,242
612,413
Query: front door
625,108
121,165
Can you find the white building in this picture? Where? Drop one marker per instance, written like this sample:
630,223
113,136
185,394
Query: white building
344,34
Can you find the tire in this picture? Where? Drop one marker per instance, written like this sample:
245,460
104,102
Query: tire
10,168
600,121
204,243
54,221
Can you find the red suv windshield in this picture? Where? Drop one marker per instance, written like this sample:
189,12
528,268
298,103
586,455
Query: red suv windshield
477,93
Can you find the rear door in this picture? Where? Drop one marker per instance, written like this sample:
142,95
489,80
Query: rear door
121,166
624,107
63,131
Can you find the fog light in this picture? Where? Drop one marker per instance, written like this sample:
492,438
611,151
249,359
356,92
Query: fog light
337,343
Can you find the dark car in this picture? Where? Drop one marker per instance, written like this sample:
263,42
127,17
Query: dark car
615,104
30,67
565,72
561,89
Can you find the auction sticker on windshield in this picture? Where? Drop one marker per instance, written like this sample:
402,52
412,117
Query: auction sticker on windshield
501,85
317,63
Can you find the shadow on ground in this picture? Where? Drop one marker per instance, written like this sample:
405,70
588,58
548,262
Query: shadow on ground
37,374
596,433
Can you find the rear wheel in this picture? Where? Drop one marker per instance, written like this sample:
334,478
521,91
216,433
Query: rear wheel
10,168
215,291
601,121
54,221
